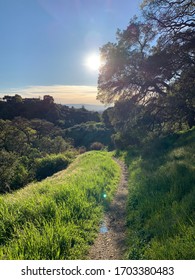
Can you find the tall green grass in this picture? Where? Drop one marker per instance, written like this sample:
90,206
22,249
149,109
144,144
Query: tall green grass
161,204
58,218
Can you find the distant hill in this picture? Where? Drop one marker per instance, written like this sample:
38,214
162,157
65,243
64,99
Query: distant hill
31,108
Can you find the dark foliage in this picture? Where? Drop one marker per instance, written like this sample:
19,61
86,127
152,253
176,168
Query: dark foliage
151,81
87,133
31,108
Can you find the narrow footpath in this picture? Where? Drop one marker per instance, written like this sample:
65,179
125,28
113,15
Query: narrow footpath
110,243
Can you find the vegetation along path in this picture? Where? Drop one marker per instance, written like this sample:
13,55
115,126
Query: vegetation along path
110,243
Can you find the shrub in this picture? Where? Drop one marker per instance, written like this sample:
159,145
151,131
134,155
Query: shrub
50,164
97,146
82,150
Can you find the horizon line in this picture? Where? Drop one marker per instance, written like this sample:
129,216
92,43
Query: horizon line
70,94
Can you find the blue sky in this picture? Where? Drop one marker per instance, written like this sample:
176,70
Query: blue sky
44,44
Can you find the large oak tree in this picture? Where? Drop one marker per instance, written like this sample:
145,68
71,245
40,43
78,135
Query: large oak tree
149,71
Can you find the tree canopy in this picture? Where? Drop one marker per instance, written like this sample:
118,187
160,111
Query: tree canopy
30,108
149,71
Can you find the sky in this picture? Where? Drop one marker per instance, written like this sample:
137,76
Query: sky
44,45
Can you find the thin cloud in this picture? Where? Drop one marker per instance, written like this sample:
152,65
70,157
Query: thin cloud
64,94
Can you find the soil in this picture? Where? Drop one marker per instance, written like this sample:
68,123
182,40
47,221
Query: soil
110,243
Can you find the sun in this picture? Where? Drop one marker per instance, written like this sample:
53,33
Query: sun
93,62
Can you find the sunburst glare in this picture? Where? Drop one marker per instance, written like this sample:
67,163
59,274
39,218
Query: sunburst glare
93,61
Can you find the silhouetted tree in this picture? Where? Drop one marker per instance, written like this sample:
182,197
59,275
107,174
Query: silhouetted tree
48,98
152,85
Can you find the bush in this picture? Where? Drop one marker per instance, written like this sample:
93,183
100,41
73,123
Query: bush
50,164
97,146
82,150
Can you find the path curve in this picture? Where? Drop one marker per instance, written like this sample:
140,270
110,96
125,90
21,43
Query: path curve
110,243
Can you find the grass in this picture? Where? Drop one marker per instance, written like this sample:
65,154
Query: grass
161,203
58,218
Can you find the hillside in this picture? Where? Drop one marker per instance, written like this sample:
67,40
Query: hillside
35,108
39,137
160,212
58,218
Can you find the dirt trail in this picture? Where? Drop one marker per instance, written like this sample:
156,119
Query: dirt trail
110,243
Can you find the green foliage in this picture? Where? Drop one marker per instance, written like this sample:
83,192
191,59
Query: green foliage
161,200
107,117
58,218
50,164
21,176
8,165
23,145
87,133
53,145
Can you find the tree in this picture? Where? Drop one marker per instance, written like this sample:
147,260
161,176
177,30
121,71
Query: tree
172,16
48,99
106,117
14,99
8,165
155,81
123,74
176,45
86,133
128,79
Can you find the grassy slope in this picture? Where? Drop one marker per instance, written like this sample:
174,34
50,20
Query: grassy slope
58,218
161,206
